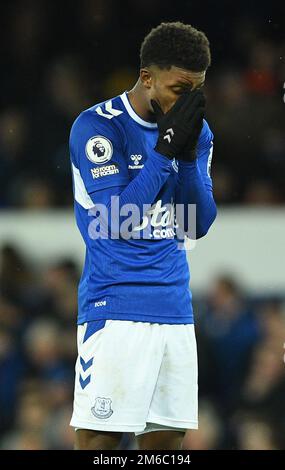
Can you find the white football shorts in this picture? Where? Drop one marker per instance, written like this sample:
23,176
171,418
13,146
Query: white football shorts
135,377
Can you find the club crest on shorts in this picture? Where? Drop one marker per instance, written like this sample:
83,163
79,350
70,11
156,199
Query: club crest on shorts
99,149
102,408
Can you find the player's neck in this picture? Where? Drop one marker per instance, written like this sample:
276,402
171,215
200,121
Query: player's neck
139,103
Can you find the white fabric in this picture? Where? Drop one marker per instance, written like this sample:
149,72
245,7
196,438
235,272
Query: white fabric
80,192
133,114
144,373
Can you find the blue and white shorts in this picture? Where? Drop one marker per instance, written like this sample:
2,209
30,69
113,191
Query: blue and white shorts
135,377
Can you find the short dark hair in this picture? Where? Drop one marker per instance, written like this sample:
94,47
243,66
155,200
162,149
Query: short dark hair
176,44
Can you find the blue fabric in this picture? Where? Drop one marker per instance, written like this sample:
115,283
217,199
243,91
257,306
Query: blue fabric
92,328
195,187
145,278
86,365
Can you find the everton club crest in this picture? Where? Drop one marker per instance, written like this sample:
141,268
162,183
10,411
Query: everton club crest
102,408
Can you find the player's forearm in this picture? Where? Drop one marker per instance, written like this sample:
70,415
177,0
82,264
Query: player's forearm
143,189
135,198
192,190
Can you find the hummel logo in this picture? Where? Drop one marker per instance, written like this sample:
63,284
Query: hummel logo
136,160
108,107
167,136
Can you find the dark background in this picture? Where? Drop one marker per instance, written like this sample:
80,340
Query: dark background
58,58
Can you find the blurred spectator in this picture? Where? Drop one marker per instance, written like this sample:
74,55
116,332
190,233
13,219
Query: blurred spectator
255,434
91,53
229,332
57,62
24,440
15,275
265,385
32,193
58,433
209,434
241,361
264,389
30,420
262,193
11,373
44,353
14,130
261,77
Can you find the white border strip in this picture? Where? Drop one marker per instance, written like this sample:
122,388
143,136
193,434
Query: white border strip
133,115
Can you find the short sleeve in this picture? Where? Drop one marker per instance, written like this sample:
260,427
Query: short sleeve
96,151
205,153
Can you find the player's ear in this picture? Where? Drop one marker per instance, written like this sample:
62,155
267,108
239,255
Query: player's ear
146,78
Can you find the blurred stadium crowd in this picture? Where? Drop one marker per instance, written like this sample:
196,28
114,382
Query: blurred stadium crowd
240,345
58,61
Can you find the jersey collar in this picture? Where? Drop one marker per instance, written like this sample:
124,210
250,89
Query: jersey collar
133,114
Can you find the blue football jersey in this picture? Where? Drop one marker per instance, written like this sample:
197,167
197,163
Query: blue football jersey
143,278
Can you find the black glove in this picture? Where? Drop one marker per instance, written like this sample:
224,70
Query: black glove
180,127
